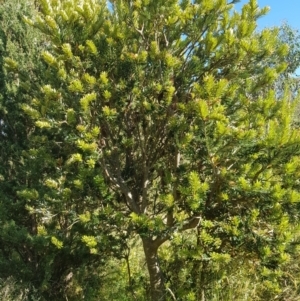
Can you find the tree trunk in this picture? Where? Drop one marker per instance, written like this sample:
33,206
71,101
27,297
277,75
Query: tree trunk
157,287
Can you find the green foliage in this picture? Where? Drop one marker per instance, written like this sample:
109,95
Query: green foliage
153,118
44,253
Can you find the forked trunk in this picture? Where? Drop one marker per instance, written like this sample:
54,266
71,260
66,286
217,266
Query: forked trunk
157,286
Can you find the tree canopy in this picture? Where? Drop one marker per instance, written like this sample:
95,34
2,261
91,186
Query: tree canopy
155,119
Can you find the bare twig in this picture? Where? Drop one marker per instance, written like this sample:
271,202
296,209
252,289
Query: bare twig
171,293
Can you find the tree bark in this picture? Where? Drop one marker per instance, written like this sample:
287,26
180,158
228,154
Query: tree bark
157,286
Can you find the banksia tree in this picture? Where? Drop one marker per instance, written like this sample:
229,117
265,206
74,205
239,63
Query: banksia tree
158,117
30,251
21,43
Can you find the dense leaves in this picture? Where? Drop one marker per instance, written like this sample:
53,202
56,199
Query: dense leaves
155,119
51,256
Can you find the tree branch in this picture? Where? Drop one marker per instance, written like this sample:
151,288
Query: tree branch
120,184
191,223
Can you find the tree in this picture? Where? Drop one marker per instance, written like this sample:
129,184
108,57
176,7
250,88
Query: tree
291,37
150,121
22,44
30,252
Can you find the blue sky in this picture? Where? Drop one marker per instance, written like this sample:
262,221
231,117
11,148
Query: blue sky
281,11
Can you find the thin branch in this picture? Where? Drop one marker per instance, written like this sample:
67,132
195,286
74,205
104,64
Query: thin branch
121,185
191,223
166,39
145,188
141,31
171,293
